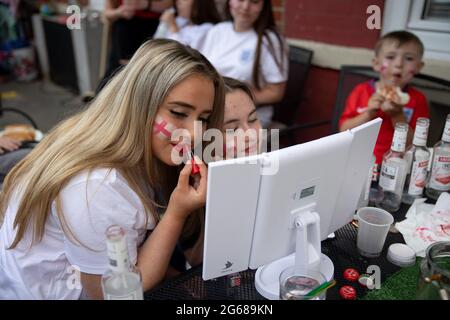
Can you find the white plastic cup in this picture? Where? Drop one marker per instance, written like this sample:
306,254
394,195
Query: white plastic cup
373,227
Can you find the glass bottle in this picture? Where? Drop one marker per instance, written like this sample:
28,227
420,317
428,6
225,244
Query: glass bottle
393,171
417,157
434,279
365,192
440,168
122,281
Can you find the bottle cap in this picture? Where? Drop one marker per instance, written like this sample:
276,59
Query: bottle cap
401,255
347,293
351,274
446,133
421,132
400,136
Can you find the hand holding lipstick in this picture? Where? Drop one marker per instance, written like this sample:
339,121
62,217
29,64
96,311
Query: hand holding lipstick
188,197
189,158
195,172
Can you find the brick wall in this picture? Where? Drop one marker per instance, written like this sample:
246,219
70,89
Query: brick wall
337,22
341,22
278,7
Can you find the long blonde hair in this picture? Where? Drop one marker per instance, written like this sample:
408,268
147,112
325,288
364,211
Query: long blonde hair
114,131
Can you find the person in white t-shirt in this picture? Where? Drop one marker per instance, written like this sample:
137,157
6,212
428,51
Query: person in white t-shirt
110,164
249,48
188,22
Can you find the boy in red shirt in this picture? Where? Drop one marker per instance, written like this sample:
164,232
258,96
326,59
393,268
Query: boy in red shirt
398,58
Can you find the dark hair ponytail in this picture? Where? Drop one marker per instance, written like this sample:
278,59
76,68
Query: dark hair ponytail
204,11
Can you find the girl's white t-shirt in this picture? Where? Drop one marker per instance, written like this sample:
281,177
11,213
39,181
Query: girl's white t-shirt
233,53
191,35
91,202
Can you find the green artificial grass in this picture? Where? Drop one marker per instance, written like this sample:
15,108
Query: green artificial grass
400,286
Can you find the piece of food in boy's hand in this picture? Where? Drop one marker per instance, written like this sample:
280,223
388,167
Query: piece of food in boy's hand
394,94
20,132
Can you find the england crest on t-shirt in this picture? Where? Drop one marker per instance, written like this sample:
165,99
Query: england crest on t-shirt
246,55
408,112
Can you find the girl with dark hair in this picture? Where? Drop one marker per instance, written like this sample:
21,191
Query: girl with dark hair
188,22
249,48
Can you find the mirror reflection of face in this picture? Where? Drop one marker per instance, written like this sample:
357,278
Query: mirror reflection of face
189,101
240,115
184,8
245,12
397,65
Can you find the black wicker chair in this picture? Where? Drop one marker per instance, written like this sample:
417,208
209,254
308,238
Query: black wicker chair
285,112
17,111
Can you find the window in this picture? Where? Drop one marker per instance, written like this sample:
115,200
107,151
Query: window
433,15
428,19
437,10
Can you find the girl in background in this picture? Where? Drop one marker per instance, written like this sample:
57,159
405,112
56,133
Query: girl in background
189,22
248,47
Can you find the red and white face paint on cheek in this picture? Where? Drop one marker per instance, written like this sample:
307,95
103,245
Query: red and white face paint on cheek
384,67
411,74
163,129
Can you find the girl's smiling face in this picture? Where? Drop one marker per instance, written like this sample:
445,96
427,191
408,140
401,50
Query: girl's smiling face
189,101
245,12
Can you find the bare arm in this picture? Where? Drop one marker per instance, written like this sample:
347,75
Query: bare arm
160,5
370,113
154,255
271,93
168,17
153,258
356,121
194,255
110,12
8,144
113,13
92,287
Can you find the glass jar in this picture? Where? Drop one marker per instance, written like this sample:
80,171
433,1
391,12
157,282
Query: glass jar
434,279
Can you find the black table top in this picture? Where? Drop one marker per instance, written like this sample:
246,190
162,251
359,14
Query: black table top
341,250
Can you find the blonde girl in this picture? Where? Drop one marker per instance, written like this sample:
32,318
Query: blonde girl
105,166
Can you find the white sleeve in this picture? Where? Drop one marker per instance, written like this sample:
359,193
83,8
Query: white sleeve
207,45
199,35
270,69
89,208
175,36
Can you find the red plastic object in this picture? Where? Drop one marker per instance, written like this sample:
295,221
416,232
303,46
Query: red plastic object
351,274
347,293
